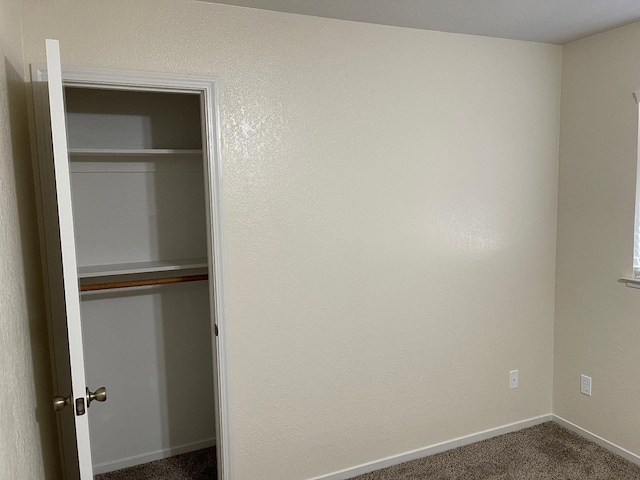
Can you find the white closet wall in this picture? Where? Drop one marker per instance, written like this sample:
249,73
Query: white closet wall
151,348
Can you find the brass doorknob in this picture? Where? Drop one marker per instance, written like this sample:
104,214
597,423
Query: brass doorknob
100,395
60,402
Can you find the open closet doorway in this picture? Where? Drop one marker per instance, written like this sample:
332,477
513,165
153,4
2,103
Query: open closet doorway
129,175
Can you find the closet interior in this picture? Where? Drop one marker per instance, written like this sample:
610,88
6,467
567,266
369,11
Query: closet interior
139,208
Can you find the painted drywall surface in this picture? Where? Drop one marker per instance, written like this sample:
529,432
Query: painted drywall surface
597,331
164,401
28,447
390,205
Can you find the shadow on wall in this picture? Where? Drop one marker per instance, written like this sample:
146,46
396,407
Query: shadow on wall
32,270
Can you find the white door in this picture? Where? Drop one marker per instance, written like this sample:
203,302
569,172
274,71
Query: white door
76,400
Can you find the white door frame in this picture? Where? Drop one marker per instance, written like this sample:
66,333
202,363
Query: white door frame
207,88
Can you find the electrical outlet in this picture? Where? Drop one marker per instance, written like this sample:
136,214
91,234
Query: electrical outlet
585,385
513,379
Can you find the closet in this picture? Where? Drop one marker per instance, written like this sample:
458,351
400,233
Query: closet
139,214
141,205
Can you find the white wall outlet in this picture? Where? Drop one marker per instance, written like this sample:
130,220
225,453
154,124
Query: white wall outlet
513,379
585,385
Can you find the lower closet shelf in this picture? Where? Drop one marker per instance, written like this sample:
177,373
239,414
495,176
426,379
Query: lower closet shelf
142,283
142,274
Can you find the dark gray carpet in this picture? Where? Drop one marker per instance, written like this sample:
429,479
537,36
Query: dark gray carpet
198,465
543,452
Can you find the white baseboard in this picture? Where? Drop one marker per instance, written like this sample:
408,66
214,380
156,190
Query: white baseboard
152,456
433,449
612,447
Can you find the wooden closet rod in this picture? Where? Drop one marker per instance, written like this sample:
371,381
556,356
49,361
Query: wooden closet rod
143,283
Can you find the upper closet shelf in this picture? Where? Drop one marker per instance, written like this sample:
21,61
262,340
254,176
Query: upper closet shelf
130,152
98,271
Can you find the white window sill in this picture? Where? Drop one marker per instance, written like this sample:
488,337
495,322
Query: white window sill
631,282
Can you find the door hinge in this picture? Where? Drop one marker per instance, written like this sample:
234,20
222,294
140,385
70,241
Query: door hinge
215,329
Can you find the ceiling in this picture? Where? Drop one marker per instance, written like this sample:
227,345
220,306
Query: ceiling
547,21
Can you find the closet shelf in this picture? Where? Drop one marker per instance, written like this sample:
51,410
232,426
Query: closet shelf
142,283
141,274
99,271
131,152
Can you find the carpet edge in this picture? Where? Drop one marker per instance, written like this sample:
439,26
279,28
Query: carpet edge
598,440
135,460
434,449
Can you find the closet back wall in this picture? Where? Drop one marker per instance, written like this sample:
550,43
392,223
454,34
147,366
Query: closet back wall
390,220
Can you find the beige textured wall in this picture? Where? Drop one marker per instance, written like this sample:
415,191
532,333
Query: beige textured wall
597,330
390,215
28,443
